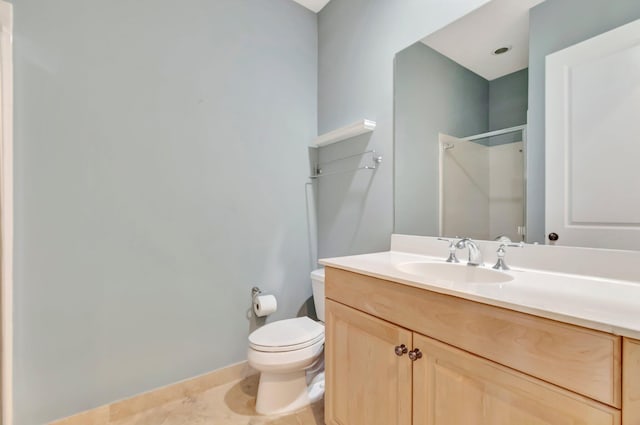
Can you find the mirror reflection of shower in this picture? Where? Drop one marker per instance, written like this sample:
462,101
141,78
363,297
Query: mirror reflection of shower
482,187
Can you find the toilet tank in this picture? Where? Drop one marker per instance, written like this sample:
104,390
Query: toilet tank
317,284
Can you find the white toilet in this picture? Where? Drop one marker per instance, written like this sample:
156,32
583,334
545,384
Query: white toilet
288,355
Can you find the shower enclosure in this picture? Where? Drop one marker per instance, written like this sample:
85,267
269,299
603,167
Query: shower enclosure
482,185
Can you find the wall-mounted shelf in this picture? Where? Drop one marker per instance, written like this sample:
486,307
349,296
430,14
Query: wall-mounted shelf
343,133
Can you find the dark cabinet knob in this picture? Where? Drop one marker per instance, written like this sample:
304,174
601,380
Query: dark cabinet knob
401,349
553,236
415,354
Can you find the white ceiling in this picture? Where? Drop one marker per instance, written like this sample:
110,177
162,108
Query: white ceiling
313,5
471,40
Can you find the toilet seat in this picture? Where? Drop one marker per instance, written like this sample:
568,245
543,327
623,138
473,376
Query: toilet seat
287,335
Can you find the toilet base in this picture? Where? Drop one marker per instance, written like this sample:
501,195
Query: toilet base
289,380
280,393
316,387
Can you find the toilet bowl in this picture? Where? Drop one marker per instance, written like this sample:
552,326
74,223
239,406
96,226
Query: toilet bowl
289,356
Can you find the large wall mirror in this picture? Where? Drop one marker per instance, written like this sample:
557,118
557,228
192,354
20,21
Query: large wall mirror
517,121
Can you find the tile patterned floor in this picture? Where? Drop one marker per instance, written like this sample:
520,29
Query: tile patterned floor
230,404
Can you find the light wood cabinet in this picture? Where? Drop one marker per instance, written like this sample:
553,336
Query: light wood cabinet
581,360
480,365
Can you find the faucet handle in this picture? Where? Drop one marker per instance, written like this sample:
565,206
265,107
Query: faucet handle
501,252
520,244
452,250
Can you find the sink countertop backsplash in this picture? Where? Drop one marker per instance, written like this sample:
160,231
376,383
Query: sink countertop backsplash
593,288
605,263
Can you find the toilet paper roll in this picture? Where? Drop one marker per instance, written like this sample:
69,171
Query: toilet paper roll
264,305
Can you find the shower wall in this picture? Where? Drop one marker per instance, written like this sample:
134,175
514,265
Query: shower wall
465,190
482,189
506,193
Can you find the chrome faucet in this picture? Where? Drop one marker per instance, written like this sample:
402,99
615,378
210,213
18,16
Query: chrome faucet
475,255
452,250
501,252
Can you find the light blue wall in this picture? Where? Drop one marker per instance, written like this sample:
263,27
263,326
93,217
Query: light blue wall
357,42
433,94
508,100
555,25
508,104
160,165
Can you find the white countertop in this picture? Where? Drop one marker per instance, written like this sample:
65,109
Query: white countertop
607,305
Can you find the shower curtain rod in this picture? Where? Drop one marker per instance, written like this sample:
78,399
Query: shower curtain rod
495,133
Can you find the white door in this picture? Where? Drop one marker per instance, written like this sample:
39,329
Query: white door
593,141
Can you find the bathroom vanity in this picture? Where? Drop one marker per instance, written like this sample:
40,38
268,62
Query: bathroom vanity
411,339
403,349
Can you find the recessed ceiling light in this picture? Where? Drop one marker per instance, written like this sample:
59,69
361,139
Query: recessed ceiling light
502,50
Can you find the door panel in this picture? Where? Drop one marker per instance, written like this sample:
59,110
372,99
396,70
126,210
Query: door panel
367,383
454,387
592,103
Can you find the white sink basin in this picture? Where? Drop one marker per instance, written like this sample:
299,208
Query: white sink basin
453,273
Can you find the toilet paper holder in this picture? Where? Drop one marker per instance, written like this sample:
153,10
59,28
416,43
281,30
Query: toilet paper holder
263,304
255,291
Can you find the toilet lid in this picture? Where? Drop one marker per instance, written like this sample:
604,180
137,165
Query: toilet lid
287,335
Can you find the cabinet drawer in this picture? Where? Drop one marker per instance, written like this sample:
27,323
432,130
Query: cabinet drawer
581,360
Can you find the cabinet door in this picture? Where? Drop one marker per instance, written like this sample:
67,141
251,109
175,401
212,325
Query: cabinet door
366,382
454,387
